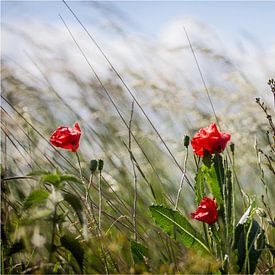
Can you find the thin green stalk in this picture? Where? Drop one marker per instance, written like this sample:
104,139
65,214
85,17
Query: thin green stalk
247,260
134,173
80,168
127,88
53,233
98,224
206,234
217,240
233,201
182,179
100,202
89,187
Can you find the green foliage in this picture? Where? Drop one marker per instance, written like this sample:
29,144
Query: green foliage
212,180
271,249
219,168
71,178
38,173
76,204
249,241
53,179
56,179
140,255
199,185
40,214
30,119
178,227
73,245
36,197
16,247
139,252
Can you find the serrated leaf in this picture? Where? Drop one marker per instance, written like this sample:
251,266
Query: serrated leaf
139,252
70,178
76,204
35,198
218,165
170,220
70,243
212,182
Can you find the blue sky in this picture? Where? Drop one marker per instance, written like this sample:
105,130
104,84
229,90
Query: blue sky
234,18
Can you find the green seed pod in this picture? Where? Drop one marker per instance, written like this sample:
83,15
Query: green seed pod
100,164
93,165
186,141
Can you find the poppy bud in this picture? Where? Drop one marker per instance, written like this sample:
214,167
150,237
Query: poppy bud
186,141
93,165
100,164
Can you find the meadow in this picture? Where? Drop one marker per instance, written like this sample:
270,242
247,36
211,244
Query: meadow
136,156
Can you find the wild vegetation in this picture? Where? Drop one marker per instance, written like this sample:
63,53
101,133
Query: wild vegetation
134,175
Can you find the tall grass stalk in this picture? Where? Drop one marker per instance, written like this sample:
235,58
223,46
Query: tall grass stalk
110,98
182,179
129,91
134,172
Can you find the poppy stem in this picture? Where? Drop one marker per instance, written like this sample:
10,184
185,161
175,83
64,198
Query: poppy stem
80,168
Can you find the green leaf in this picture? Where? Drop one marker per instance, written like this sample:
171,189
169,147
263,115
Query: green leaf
248,239
75,202
139,252
35,198
54,179
29,219
16,247
271,249
70,243
212,182
68,177
171,221
218,164
199,186
38,173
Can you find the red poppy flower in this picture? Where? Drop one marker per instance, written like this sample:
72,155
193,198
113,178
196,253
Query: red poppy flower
206,212
66,137
209,139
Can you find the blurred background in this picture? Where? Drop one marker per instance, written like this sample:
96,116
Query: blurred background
48,83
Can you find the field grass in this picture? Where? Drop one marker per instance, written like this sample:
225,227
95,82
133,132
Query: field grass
61,214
